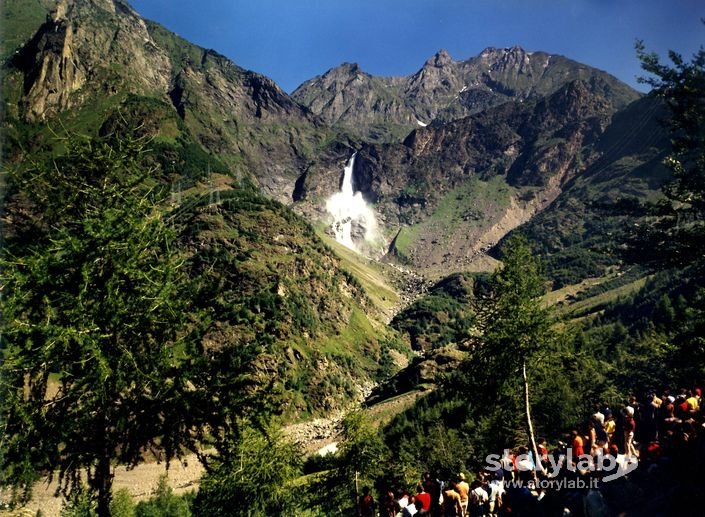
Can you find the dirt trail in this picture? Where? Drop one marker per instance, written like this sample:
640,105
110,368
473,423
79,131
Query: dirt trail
142,480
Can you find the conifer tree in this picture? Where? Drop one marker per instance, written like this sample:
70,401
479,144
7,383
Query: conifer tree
675,231
96,341
517,329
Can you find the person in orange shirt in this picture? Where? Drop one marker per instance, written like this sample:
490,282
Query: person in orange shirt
577,445
463,490
451,503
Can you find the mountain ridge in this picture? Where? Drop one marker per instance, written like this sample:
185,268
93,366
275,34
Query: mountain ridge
443,89
220,137
449,192
91,55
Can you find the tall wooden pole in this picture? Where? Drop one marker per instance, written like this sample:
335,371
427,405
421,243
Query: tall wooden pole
527,407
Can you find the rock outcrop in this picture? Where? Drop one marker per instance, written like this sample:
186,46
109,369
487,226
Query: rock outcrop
94,54
450,192
443,90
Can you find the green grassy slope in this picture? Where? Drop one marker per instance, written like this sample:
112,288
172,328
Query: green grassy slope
578,235
263,274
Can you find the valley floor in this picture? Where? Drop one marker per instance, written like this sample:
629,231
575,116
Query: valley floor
142,481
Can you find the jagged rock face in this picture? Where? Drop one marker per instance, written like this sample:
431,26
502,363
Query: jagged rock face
65,60
91,50
506,128
576,229
443,90
347,95
451,191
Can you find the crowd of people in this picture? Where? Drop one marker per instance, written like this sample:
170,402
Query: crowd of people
637,459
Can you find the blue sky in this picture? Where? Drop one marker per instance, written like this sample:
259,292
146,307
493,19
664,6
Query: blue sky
294,40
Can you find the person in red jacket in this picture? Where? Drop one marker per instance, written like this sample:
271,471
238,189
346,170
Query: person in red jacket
424,497
366,504
629,429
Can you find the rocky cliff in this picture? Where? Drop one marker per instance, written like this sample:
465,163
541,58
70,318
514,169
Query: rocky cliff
386,108
449,192
90,56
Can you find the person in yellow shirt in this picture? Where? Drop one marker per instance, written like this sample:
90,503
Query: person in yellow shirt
693,404
610,426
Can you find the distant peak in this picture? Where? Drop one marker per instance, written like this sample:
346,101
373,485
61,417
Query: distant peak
440,59
494,52
346,68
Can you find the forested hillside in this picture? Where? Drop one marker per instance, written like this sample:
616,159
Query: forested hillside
177,283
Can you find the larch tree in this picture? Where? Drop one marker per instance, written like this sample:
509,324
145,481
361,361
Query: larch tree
515,332
675,231
97,351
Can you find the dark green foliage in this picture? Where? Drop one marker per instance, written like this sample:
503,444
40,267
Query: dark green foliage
675,232
103,338
362,460
479,408
435,435
164,503
265,280
317,463
630,275
171,148
387,365
515,329
94,321
19,19
80,504
440,317
254,478
122,504
653,338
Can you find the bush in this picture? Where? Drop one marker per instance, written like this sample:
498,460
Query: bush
254,478
164,503
80,504
122,504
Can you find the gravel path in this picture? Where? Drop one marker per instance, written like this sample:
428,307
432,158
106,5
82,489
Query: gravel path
140,481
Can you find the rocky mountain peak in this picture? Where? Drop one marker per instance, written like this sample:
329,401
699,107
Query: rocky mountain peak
505,59
495,54
352,68
444,90
439,59
340,76
66,58
64,7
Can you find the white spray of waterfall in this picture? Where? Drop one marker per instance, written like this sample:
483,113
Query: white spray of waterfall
348,207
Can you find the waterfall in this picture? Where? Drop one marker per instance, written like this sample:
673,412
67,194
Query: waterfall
349,207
